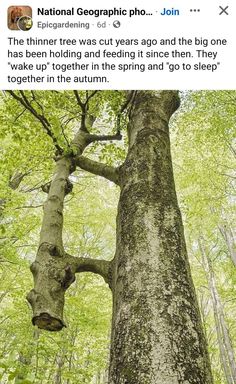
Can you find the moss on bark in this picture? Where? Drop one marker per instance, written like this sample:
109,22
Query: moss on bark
157,336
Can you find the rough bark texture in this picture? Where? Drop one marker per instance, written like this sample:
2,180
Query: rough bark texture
54,270
51,270
157,336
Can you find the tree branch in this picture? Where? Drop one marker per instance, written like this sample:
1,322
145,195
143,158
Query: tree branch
83,110
90,96
16,179
100,267
84,106
79,101
123,107
110,173
42,119
93,138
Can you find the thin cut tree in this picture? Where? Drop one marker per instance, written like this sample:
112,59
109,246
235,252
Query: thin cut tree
157,337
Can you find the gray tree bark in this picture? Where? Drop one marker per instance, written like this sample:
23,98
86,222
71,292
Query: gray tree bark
157,337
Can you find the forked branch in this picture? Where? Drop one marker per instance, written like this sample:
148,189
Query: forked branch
84,106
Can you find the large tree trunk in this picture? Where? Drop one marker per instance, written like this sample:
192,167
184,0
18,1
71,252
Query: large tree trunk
157,337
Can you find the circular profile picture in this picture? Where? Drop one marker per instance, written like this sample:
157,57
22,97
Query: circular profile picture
24,23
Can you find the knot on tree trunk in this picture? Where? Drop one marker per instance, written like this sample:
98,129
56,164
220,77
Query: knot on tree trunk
45,188
68,187
52,249
69,277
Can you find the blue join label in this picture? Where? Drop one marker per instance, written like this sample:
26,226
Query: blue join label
170,12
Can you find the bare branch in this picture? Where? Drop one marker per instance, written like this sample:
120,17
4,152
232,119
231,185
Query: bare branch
79,101
84,106
36,101
106,171
93,138
83,110
64,135
29,206
84,264
20,114
128,100
16,179
90,96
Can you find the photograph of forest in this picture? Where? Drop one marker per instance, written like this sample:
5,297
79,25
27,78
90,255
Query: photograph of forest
117,237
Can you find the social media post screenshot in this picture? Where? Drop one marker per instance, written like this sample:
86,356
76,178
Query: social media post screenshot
117,192
49,47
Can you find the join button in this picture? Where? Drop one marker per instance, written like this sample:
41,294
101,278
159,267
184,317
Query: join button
170,12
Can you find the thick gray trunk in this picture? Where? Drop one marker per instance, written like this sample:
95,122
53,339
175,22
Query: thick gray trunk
157,336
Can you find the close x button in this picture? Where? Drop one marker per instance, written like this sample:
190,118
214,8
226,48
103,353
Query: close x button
223,10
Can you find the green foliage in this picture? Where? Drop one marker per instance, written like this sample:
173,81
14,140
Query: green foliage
202,134
203,139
